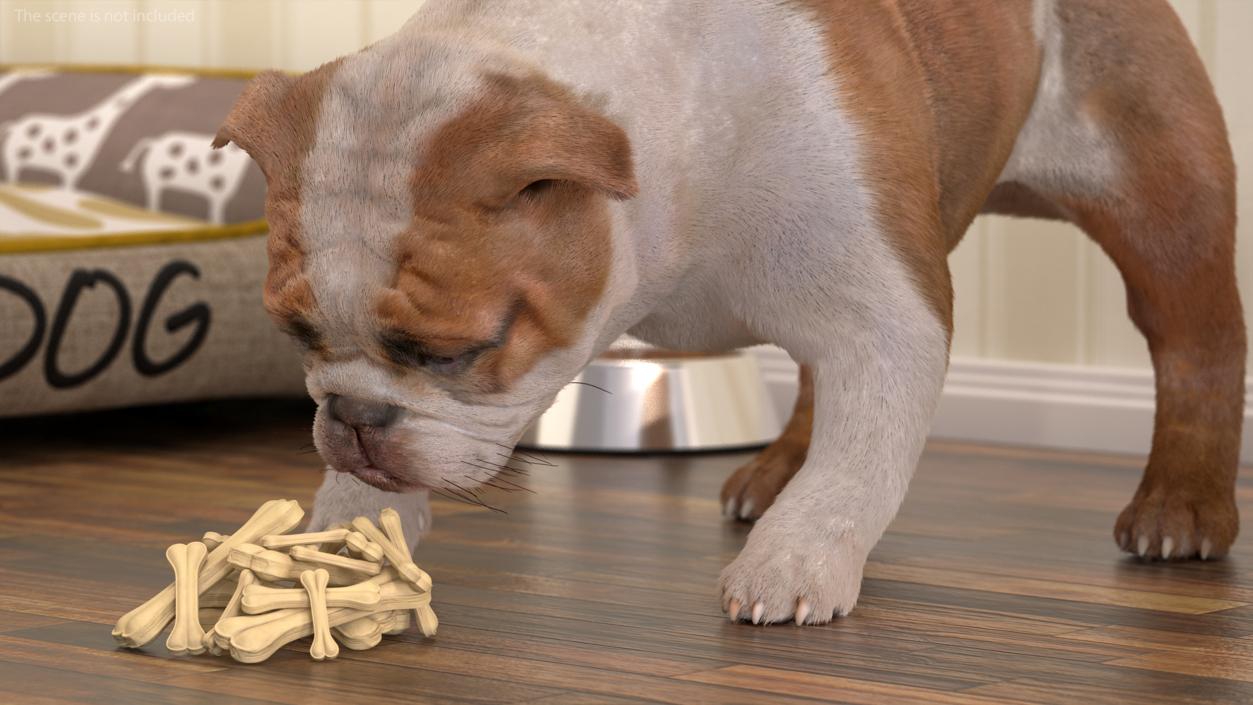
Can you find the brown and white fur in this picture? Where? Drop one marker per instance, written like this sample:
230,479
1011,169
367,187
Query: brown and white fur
465,213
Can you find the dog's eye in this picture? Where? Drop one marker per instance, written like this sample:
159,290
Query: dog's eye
407,352
537,188
303,331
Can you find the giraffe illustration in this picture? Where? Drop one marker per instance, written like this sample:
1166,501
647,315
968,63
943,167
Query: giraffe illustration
66,144
186,161
12,77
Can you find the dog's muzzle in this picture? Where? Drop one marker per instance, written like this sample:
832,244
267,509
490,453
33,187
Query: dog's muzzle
354,440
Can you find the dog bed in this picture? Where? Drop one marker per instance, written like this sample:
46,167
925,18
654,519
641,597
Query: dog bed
131,255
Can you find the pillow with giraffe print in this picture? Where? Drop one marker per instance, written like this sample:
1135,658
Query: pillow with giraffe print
136,138
132,255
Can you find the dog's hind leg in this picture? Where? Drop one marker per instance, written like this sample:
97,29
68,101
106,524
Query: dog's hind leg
1130,145
751,489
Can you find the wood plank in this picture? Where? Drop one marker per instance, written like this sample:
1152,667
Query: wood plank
1050,589
849,690
1224,666
11,621
1055,692
1165,641
997,583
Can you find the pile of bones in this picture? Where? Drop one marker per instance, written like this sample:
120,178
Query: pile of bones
348,585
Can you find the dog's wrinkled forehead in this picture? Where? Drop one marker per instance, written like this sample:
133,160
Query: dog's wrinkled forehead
404,213
356,181
339,146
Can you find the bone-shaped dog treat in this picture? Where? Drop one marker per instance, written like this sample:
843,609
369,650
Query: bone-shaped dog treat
362,547
396,622
393,621
254,639
289,540
142,624
399,555
428,623
342,600
187,636
324,645
246,579
306,554
266,564
261,598
276,566
229,628
359,634
213,539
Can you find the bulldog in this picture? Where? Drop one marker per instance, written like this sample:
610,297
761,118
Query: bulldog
465,213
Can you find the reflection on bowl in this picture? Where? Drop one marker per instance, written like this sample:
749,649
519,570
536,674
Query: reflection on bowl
643,399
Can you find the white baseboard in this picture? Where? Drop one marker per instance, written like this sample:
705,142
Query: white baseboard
1070,407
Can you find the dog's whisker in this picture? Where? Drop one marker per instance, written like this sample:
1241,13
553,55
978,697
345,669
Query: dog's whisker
593,386
529,456
473,492
493,474
450,497
514,486
477,500
504,466
459,494
454,494
491,478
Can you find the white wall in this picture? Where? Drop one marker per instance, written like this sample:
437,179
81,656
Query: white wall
1027,292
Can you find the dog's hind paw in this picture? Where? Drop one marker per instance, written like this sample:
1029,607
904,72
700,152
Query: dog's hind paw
780,577
1172,526
751,489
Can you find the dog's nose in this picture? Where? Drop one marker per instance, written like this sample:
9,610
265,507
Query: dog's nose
361,413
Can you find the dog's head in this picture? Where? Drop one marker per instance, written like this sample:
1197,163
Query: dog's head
440,243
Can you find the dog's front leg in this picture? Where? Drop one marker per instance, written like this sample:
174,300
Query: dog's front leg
342,498
874,397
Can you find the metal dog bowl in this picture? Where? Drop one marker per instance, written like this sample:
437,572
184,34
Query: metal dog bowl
643,399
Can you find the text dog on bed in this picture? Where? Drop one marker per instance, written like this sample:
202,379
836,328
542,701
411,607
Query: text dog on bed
465,213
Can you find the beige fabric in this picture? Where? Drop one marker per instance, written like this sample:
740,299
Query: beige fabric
241,353
96,168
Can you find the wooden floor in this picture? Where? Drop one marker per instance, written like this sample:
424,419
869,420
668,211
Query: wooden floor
998,582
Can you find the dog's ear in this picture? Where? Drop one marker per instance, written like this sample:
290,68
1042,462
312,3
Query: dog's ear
529,130
257,121
568,142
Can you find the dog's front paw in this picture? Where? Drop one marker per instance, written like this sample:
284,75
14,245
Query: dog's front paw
795,574
341,498
1178,524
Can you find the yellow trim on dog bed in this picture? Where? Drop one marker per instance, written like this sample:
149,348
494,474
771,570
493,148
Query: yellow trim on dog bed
143,68
48,243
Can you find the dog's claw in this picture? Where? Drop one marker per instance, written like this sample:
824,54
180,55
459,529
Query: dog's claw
746,509
1168,544
1206,547
733,611
758,610
1143,548
728,511
802,611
